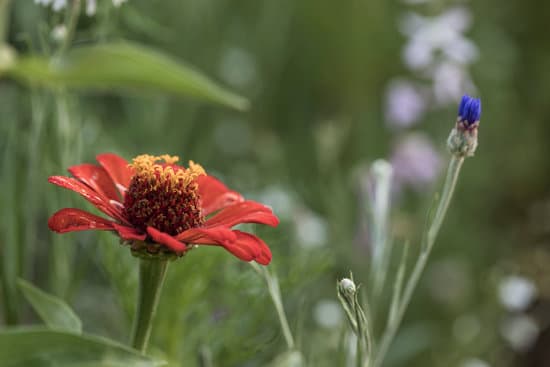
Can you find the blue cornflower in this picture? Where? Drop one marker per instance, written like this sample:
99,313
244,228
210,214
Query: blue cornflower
469,110
462,141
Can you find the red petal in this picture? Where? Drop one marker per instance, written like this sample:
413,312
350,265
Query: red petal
217,235
98,200
215,195
129,233
117,167
244,253
97,178
247,239
71,219
240,244
166,239
246,212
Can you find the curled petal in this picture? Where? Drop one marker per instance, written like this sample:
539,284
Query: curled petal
129,233
242,245
246,212
97,199
249,240
117,167
242,252
166,239
217,235
97,178
215,195
71,219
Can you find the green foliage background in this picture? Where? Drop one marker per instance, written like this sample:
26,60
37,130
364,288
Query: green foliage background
320,69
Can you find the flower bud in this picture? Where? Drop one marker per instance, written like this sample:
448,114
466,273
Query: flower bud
347,288
462,141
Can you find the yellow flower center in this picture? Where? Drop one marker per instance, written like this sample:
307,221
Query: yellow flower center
163,195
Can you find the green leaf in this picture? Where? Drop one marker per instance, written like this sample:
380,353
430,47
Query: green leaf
30,347
53,311
124,66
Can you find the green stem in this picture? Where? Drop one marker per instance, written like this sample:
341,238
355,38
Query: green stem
448,188
10,259
4,19
151,278
275,293
70,22
359,353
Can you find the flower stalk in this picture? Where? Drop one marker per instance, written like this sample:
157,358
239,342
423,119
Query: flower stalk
358,319
4,19
151,279
453,171
71,20
275,294
462,143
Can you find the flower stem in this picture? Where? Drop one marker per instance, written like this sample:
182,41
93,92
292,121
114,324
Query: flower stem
151,278
359,352
71,20
4,19
275,293
427,245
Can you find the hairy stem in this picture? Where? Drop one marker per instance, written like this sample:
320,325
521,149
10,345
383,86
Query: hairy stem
275,293
151,278
448,188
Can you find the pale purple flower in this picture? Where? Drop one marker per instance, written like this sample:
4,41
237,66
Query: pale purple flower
405,104
430,35
56,5
449,82
415,162
91,5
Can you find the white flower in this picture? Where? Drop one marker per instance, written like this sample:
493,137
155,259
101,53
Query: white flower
118,3
520,331
59,4
328,314
59,32
91,7
474,362
516,293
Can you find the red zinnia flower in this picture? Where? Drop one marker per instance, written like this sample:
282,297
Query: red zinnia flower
162,208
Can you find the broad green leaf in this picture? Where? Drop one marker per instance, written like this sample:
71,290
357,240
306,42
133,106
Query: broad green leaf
53,311
124,66
30,347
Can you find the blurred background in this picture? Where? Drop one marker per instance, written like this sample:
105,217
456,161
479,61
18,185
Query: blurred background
333,86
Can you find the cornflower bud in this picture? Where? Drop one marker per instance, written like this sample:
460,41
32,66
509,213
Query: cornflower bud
462,141
347,294
347,288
